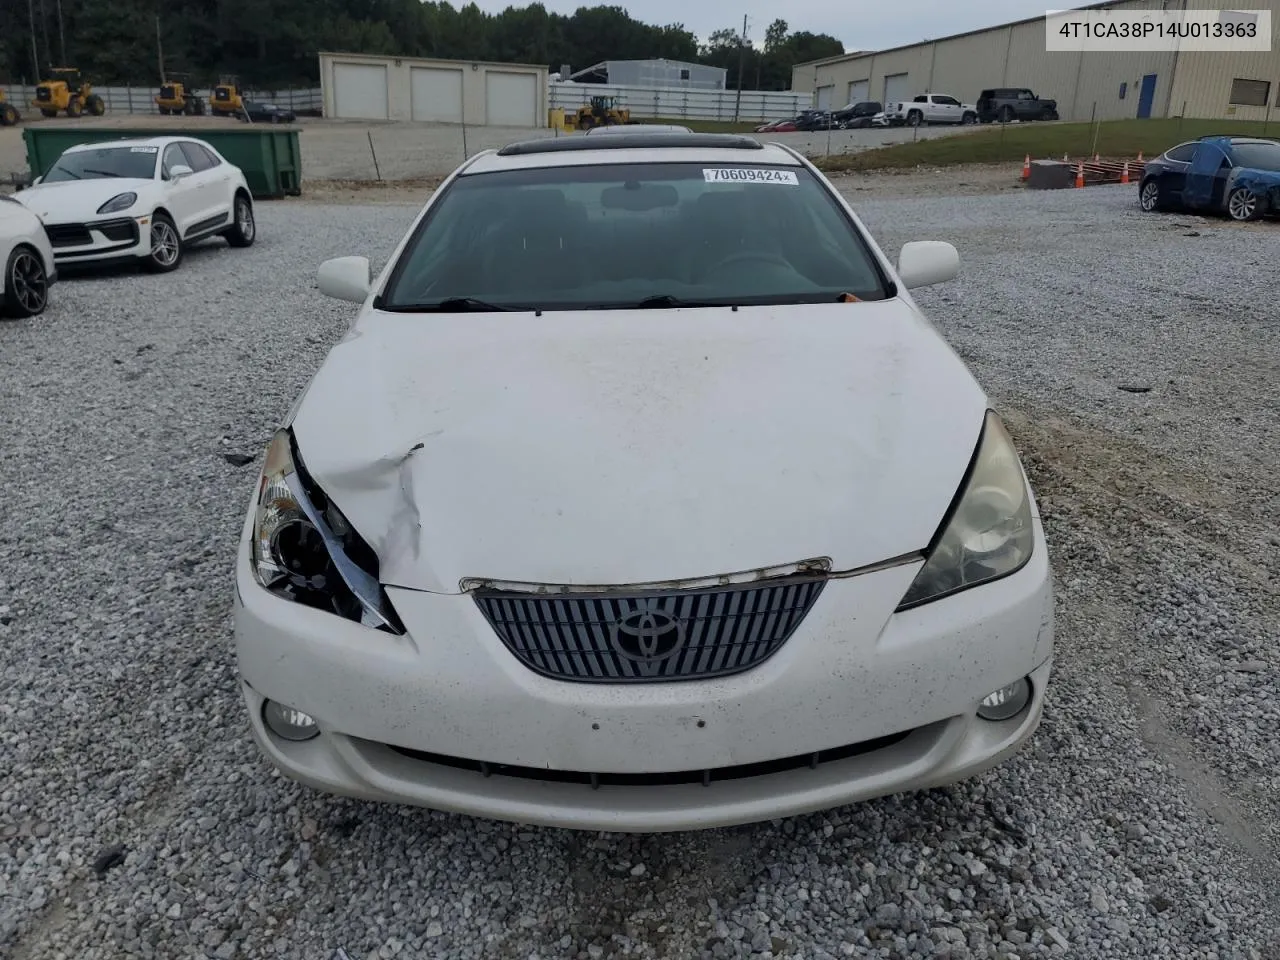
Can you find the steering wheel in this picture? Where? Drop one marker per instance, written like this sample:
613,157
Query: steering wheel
747,256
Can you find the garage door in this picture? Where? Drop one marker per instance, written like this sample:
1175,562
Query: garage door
437,94
858,91
360,91
897,87
511,99
824,98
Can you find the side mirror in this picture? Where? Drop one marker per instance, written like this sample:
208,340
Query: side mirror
923,263
346,278
179,170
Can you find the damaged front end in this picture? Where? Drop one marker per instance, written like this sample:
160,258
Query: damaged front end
306,551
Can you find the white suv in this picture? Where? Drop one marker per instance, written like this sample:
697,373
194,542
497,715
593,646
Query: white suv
146,199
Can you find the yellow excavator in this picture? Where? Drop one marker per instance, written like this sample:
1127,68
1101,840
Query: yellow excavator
66,91
8,112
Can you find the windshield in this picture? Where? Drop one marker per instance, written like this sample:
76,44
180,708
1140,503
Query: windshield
135,162
1259,156
616,236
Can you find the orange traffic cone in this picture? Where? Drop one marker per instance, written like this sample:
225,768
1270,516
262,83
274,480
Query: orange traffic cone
1124,174
1026,167
1079,175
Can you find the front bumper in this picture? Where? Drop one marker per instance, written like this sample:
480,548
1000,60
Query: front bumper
446,717
99,240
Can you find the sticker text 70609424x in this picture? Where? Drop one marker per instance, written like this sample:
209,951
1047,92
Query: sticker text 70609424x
751,175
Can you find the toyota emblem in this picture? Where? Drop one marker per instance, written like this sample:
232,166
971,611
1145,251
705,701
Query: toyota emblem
647,635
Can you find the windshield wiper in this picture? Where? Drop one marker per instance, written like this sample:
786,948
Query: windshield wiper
666,301
452,305
103,173
63,170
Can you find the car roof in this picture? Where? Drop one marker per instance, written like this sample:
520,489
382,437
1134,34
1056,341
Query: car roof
132,142
652,148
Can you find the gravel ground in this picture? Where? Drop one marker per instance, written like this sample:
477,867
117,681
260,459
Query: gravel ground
136,818
340,149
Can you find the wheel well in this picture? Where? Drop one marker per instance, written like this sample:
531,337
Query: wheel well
242,192
23,245
159,210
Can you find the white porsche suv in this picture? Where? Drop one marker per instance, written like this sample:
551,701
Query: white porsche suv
145,200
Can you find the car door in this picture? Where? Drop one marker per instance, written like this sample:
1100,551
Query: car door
1205,176
946,109
182,191
211,180
1025,106
1174,165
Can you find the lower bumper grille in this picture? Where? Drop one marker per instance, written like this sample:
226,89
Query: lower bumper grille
68,234
707,777
650,636
119,231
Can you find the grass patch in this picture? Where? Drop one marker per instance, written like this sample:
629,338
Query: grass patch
707,126
1012,142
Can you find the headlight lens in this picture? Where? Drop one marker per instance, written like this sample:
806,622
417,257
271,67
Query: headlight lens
990,533
305,550
119,202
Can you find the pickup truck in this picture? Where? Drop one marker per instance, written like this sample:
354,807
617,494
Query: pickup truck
1007,104
930,108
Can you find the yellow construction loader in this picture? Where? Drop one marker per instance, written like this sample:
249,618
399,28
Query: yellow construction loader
66,91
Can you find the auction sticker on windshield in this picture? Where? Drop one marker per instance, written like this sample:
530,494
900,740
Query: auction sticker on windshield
750,175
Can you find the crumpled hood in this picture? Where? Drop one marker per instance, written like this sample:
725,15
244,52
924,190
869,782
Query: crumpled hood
75,201
630,447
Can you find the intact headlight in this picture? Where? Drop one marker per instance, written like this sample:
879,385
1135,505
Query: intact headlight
989,534
305,550
121,201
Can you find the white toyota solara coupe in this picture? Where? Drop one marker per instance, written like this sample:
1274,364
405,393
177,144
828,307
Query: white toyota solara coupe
140,200
641,496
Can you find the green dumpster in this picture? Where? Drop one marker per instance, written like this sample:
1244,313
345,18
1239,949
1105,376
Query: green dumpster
269,156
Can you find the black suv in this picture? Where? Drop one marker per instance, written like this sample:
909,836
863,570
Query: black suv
1006,104
857,115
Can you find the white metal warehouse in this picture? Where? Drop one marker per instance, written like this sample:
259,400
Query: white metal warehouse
1243,86
363,87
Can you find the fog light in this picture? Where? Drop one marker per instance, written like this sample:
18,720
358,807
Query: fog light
288,723
1006,702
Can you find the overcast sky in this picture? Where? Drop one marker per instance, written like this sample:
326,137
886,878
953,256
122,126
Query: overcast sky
858,26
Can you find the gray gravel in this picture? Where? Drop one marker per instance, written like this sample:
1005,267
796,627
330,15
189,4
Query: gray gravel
137,820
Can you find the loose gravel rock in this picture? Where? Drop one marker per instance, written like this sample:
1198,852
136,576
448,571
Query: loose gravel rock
1139,823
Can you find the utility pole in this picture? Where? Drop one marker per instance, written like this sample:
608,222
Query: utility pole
44,30
159,50
742,63
62,36
35,51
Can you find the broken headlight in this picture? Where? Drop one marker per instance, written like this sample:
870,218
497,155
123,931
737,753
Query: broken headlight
305,550
989,533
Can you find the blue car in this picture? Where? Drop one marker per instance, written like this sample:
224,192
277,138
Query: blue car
1238,176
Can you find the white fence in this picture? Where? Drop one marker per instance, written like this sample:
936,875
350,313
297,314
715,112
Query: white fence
141,100
681,103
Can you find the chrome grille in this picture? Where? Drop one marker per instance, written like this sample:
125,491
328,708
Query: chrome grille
650,636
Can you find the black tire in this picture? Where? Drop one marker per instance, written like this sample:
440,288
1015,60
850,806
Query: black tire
969,118
8,115
244,227
164,111
75,107
45,111
1005,115
1151,197
26,284
915,118
96,106
1050,115
166,245
1244,205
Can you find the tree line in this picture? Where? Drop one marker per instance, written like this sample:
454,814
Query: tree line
273,43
